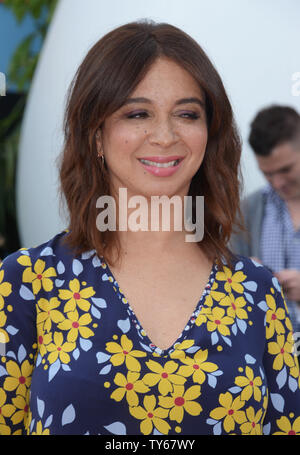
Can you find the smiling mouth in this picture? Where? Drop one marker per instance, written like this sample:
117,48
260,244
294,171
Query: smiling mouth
156,164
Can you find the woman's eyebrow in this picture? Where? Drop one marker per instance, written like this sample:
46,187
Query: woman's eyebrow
178,102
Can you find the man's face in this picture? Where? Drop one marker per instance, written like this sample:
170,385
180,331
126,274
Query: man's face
282,169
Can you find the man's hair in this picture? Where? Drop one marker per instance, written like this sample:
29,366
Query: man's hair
273,126
112,69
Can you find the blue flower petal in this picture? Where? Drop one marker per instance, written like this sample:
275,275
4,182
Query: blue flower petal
277,401
116,428
53,369
102,357
40,407
77,267
124,325
68,416
25,293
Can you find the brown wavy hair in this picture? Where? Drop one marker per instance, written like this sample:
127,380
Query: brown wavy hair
112,69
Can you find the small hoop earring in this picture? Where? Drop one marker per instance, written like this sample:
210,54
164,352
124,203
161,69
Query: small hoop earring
101,155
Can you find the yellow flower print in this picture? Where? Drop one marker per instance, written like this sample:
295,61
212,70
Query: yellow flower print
251,385
214,295
151,416
163,376
218,321
39,430
47,313
4,338
235,306
5,289
129,386
39,277
19,378
232,281
274,317
181,401
123,352
6,410
43,340
229,411
77,325
252,426
4,430
286,427
76,296
202,316
282,349
21,405
179,349
59,349
197,366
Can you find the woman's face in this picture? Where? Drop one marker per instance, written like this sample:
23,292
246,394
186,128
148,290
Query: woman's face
155,143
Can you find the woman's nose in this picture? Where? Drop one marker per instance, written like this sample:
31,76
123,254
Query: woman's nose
162,133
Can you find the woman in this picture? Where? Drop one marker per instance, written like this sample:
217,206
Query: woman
132,331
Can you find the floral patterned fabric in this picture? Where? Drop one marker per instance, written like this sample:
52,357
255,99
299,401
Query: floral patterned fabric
75,359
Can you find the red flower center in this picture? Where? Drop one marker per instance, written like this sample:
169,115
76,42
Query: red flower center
274,317
230,412
59,348
41,339
0,411
233,306
217,322
39,276
129,386
229,280
75,325
282,351
26,408
292,432
179,401
76,295
253,424
164,375
251,383
125,352
196,367
150,415
22,380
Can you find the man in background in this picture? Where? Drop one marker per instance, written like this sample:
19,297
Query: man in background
272,214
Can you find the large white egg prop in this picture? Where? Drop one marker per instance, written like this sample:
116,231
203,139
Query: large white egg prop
254,46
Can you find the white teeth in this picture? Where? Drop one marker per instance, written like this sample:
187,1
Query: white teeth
152,163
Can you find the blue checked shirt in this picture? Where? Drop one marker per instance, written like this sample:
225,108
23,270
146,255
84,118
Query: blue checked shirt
280,243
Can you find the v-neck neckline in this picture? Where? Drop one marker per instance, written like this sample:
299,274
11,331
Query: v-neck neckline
146,341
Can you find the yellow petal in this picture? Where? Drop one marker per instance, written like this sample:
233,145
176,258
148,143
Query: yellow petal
146,426
118,394
138,412
162,426
192,393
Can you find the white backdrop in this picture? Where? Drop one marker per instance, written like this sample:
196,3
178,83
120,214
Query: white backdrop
254,45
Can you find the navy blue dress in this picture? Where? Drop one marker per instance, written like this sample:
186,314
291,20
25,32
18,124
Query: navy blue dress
75,359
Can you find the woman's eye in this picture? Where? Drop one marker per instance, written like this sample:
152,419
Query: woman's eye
137,115
189,115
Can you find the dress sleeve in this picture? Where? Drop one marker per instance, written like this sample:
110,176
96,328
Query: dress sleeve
281,368
18,341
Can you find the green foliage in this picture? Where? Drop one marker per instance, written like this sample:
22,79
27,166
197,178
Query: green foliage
20,73
25,58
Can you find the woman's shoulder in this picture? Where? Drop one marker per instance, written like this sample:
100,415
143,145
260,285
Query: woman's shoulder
54,247
251,274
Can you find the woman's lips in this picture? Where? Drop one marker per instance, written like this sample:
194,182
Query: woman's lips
161,166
